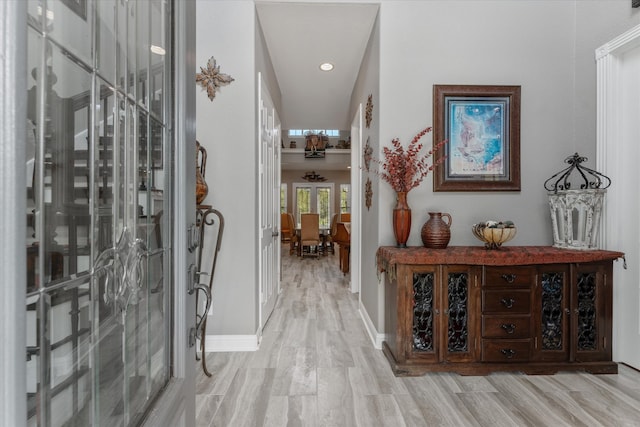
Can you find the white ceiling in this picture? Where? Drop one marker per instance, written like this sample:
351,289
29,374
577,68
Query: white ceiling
301,36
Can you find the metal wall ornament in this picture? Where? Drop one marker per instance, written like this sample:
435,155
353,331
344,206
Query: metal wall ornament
576,204
369,111
367,153
368,194
211,79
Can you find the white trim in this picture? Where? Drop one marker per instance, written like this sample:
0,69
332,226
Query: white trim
624,41
615,154
231,343
376,338
13,114
356,202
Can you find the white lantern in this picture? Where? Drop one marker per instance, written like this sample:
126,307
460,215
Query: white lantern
575,214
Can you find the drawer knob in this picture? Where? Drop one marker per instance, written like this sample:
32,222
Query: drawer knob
508,352
507,302
508,327
509,278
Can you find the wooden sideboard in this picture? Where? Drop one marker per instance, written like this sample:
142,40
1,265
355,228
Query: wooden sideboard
534,309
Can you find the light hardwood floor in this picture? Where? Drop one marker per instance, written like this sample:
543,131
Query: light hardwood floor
316,366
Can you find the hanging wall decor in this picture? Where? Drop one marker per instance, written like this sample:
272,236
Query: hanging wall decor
369,110
368,194
211,79
368,151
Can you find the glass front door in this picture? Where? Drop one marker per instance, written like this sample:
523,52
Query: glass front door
99,208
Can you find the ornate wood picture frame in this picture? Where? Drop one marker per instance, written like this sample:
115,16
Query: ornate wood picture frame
482,127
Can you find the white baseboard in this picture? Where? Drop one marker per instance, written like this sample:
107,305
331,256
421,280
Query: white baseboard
229,343
376,338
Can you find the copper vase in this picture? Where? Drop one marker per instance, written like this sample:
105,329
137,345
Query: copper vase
202,189
401,220
436,232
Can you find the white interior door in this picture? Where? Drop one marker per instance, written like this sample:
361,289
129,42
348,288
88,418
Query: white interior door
356,203
269,201
618,157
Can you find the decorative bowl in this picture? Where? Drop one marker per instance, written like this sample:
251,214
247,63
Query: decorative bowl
494,233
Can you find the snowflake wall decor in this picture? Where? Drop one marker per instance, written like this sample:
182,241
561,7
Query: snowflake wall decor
211,79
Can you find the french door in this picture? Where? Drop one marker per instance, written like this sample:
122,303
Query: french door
269,201
313,198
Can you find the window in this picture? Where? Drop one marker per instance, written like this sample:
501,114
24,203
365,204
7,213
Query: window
314,198
302,132
345,198
283,198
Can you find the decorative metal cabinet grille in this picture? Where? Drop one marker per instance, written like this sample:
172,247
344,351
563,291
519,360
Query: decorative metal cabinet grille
587,312
423,310
552,311
458,297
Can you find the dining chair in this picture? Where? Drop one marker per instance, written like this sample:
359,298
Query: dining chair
309,234
332,232
285,228
293,242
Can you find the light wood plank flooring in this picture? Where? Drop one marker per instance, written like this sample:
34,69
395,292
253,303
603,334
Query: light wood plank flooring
316,366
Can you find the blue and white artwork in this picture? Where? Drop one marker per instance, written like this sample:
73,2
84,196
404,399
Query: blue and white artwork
477,143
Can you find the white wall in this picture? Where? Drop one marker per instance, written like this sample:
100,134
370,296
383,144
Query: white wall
368,83
480,43
226,127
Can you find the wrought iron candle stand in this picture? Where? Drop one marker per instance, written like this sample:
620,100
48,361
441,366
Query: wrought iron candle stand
576,204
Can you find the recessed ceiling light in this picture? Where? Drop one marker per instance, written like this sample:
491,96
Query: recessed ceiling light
158,50
326,66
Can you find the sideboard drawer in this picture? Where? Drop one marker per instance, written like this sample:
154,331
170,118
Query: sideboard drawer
505,350
506,327
513,276
506,301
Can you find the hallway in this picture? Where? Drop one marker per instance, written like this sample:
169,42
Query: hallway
317,367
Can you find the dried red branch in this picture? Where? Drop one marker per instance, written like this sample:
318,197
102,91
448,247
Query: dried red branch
405,169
